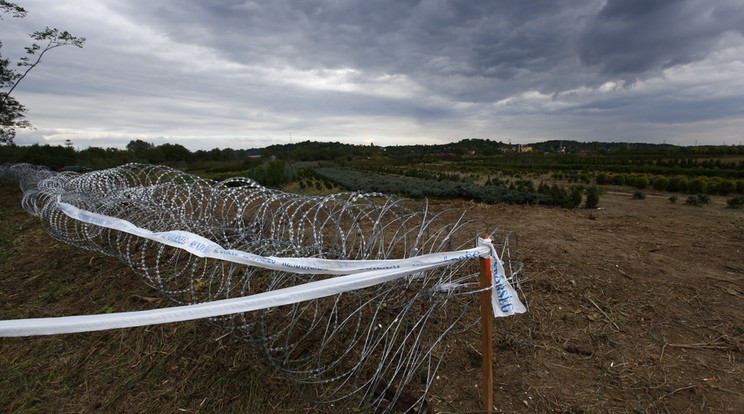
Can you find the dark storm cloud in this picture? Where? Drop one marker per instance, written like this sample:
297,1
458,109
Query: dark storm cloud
675,111
440,69
633,37
437,42
471,51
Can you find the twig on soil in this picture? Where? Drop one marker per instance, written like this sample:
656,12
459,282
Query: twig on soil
223,336
623,273
720,279
724,389
475,350
701,346
704,345
565,367
603,313
676,391
734,268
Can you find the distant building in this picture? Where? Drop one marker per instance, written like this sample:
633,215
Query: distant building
523,148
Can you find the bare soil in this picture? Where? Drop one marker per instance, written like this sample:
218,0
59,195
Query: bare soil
635,307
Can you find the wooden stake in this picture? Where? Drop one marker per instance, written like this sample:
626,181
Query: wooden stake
486,335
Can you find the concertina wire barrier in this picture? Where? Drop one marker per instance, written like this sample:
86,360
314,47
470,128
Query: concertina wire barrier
351,291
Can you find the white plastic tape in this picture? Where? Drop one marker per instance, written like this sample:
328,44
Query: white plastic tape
504,298
202,247
286,296
356,274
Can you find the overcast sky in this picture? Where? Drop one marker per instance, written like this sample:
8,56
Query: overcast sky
246,74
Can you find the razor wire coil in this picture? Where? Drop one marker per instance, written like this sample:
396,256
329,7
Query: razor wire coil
351,345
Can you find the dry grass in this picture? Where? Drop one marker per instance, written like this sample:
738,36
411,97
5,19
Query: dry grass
187,367
633,308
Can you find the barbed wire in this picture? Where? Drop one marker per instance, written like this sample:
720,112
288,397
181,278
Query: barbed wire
377,346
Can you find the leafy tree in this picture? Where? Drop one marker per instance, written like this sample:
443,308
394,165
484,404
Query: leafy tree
11,111
139,146
276,173
174,152
54,157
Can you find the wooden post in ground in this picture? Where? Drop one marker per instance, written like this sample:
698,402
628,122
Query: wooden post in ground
486,313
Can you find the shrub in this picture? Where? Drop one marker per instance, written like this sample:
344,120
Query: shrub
698,200
639,181
603,178
678,183
592,197
697,185
619,179
673,199
575,199
711,184
559,196
543,188
525,185
726,187
639,195
736,202
417,187
660,183
274,173
693,201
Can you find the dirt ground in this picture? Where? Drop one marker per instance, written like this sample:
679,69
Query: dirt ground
635,307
